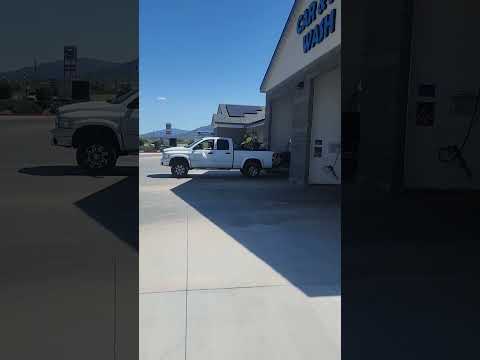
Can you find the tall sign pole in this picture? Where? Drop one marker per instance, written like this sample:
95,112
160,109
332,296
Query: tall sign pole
70,68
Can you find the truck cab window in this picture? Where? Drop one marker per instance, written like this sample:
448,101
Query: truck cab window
133,104
205,145
223,144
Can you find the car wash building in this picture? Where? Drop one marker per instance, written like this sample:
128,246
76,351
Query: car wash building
303,93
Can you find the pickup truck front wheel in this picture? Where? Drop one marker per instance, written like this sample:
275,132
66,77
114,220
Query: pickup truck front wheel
96,156
251,169
179,168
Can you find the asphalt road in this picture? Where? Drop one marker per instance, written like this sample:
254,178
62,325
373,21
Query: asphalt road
68,250
237,268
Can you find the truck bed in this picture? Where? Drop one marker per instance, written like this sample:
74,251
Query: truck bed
265,157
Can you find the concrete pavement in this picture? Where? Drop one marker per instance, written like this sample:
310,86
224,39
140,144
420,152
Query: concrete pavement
68,258
234,268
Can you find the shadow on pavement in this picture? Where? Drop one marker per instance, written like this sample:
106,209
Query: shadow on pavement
411,267
223,174
116,209
295,230
60,170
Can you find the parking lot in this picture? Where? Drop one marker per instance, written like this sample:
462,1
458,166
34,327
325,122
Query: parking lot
68,264
237,268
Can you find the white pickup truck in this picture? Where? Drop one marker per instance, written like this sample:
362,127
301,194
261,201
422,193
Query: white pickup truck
100,131
216,153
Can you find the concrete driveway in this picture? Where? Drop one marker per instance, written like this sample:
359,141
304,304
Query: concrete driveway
68,257
234,268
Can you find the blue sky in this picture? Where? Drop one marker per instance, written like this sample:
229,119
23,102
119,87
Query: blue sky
197,54
111,33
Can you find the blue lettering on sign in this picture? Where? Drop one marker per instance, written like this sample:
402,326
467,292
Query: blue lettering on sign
312,13
320,31
307,18
329,22
322,6
307,42
300,26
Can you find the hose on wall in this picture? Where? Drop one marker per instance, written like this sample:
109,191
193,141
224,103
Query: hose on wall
451,153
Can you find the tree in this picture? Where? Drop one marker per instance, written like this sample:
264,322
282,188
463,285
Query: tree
158,144
5,90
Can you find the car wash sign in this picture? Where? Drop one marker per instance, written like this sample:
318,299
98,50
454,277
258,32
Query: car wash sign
324,15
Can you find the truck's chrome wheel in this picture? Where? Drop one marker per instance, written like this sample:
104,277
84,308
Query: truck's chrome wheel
179,170
97,156
253,171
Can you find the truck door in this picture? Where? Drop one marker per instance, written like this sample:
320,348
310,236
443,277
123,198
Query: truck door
203,154
223,154
130,126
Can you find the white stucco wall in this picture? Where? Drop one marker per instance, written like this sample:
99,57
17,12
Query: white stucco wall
444,34
290,57
326,127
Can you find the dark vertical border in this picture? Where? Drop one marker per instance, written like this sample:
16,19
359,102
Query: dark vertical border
398,176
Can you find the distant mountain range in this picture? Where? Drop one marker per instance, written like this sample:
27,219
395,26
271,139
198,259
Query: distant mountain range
88,69
177,133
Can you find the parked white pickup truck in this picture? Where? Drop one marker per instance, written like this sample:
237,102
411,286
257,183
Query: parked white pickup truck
216,153
100,131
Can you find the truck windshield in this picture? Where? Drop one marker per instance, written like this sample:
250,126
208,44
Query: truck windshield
193,143
122,97
190,143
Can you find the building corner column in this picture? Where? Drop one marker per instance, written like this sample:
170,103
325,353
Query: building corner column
300,140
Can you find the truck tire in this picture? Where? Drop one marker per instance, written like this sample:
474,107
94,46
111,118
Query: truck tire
179,168
252,169
96,155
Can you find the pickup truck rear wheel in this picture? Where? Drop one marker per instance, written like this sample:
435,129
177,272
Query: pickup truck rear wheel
96,156
251,169
179,168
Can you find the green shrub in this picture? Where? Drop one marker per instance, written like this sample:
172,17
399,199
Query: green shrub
250,142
